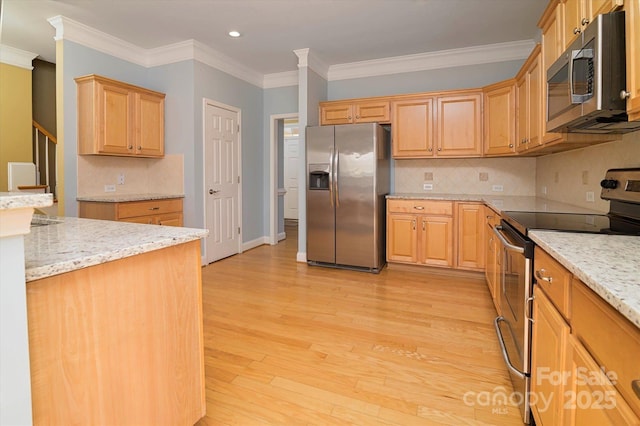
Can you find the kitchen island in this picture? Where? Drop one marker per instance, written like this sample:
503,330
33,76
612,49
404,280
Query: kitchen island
115,322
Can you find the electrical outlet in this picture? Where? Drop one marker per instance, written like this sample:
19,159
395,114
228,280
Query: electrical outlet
427,186
109,188
590,196
121,179
497,188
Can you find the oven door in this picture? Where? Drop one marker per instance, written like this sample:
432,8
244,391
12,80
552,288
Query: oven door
513,327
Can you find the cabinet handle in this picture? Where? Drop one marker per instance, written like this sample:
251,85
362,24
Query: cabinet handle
130,146
584,21
424,225
510,145
439,148
576,30
540,276
357,117
489,216
139,148
635,385
418,207
154,208
349,117
430,149
413,222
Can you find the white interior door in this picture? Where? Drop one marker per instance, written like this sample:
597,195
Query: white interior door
221,160
291,178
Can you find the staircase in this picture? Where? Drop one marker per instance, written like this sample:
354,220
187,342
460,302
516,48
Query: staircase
44,157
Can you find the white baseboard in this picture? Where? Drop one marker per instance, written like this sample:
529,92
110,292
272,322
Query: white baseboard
282,236
255,243
301,257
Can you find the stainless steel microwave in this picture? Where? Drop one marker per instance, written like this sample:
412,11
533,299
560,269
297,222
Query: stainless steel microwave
586,86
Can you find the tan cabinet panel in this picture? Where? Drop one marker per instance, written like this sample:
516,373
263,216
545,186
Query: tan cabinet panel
413,128
459,125
529,93
436,240
156,212
349,112
549,361
500,118
116,118
470,228
402,238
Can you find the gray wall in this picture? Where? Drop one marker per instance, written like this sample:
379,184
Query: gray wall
78,61
466,77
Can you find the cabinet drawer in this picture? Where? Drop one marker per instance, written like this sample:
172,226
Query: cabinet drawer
612,340
420,207
554,279
151,207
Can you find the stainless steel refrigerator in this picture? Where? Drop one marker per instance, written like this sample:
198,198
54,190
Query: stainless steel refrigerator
347,181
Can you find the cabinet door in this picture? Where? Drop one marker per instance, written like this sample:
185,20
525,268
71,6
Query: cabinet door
402,241
572,17
522,113
470,227
371,112
459,126
436,240
535,103
549,362
500,119
632,28
591,398
115,119
171,219
412,130
336,113
149,125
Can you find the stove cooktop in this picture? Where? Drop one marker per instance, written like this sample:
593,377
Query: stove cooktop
572,222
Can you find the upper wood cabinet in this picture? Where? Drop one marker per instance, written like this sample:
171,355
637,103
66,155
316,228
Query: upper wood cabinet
529,95
412,131
632,38
500,118
579,13
116,118
459,125
447,125
349,112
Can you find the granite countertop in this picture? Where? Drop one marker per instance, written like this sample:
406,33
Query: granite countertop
19,200
123,198
608,264
57,245
501,203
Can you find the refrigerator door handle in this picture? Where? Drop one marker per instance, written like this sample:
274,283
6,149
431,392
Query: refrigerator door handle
331,176
336,170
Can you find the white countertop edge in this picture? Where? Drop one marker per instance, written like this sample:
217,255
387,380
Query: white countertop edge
21,200
614,299
34,273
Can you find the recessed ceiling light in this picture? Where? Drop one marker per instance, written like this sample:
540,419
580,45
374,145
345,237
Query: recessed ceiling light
234,33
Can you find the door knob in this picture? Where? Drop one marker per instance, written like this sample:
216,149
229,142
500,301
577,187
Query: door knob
211,191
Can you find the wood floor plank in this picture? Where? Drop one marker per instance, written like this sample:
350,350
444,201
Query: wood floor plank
290,344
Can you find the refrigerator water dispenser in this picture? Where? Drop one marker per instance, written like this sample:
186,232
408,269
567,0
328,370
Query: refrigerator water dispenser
319,176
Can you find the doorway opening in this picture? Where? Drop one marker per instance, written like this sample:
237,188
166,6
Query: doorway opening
284,156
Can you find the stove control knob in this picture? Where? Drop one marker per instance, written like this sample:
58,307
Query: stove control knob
609,183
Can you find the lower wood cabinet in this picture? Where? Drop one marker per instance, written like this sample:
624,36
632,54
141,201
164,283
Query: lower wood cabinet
167,212
436,233
492,252
420,232
584,363
470,228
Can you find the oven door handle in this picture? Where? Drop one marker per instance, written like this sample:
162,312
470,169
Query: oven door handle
505,355
507,244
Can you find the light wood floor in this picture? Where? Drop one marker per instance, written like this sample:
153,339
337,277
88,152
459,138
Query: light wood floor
289,344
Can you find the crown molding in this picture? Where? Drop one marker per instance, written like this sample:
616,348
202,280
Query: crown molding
68,29
17,57
280,79
71,30
499,52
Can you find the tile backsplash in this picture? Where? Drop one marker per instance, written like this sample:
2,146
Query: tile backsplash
141,175
516,176
568,176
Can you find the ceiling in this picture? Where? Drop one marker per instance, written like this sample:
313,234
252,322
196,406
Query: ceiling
336,31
